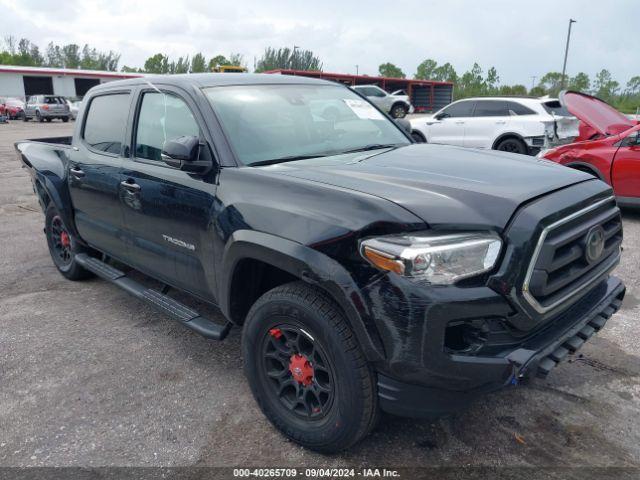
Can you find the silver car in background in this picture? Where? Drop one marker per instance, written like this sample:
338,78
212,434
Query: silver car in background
47,107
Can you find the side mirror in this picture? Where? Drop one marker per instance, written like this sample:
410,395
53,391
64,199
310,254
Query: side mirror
184,153
404,124
441,115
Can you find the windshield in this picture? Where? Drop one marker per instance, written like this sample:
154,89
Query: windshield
270,122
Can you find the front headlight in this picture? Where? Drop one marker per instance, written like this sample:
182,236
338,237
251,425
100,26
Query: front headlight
437,258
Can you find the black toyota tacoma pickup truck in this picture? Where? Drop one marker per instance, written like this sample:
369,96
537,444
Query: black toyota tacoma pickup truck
367,272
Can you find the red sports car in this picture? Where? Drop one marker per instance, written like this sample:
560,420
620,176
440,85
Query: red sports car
12,107
612,151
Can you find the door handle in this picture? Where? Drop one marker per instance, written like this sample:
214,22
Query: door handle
76,172
459,123
132,187
500,122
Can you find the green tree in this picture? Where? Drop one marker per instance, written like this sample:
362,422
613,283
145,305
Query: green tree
492,81
537,91
236,59
633,85
53,56
471,83
426,70
71,55
286,58
157,63
551,82
198,63
445,73
127,69
390,70
605,87
580,83
217,61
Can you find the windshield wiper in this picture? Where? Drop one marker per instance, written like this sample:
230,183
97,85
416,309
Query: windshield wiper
292,158
373,146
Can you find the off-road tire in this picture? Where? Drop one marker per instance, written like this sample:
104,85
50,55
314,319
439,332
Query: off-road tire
68,268
354,410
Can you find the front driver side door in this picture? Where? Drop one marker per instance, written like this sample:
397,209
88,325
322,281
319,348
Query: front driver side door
167,210
449,127
626,167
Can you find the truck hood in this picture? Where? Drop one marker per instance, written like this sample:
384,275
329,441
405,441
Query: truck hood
445,186
599,115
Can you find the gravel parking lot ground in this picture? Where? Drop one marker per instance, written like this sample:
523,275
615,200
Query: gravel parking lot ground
89,376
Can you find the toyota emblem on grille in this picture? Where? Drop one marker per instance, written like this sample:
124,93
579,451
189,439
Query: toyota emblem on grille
594,244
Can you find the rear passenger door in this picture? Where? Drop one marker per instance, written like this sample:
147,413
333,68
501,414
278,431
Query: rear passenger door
94,174
490,119
167,210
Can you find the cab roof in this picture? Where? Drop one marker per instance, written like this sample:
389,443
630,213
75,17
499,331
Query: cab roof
201,80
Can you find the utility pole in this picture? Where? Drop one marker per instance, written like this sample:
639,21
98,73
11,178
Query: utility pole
566,52
533,81
357,71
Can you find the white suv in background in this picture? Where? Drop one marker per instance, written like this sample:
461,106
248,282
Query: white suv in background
512,124
395,104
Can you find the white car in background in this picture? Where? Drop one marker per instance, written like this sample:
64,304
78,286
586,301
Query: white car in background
74,107
396,104
513,124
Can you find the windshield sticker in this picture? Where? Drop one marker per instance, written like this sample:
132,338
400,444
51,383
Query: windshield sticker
363,109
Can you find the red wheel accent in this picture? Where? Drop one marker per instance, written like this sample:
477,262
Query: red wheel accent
275,333
301,369
64,239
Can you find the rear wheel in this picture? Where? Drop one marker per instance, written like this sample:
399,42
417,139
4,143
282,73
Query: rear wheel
39,117
306,370
49,120
399,110
65,119
512,145
24,117
63,247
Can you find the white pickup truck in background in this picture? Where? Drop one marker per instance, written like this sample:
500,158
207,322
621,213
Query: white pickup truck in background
396,104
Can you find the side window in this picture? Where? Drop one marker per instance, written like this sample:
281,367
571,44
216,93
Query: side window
460,109
488,108
106,121
376,92
162,117
519,109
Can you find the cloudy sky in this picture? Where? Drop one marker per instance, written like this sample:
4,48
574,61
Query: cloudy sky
520,38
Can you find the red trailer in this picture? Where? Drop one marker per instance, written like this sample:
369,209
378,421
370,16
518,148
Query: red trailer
425,95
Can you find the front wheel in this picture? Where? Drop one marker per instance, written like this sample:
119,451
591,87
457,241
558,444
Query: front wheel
39,117
63,247
399,111
418,137
65,119
306,370
512,145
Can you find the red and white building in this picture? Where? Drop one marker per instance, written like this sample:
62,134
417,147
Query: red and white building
18,81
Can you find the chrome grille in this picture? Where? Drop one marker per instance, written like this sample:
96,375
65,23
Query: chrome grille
560,267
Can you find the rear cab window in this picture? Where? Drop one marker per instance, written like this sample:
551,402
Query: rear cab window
106,121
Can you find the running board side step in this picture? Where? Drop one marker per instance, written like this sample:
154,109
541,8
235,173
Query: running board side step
176,310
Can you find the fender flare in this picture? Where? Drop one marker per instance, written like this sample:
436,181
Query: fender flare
58,192
308,265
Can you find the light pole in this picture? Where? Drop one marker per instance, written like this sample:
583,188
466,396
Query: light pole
357,71
533,81
566,52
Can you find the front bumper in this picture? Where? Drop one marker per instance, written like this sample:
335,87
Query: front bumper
536,355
